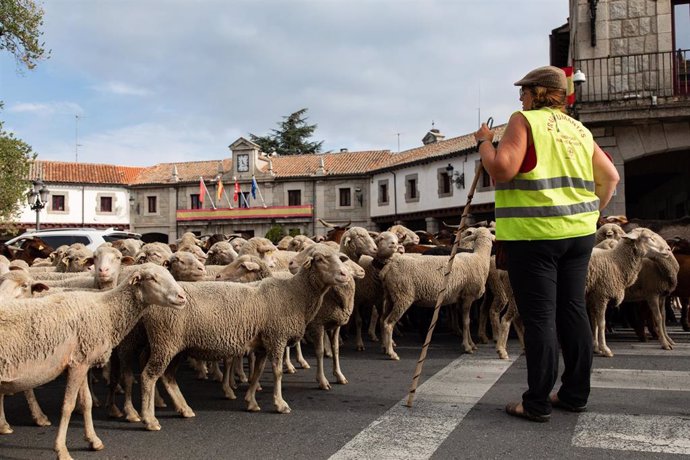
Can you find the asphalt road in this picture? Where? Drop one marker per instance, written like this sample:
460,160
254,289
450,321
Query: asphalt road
639,408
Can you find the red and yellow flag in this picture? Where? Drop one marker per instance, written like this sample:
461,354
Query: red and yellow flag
570,93
219,190
236,196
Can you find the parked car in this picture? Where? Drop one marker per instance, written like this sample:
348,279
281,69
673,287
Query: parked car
90,237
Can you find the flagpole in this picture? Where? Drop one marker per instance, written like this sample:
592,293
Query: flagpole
227,198
263,203
244,198
213,206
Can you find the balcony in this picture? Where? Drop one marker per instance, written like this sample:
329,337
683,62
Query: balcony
269,212
638,86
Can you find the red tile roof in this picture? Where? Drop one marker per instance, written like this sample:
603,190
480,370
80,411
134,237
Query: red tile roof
333,163
82,173
162,173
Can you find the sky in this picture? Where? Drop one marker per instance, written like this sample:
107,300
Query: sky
143,82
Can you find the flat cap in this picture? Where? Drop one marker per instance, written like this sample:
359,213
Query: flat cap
547,76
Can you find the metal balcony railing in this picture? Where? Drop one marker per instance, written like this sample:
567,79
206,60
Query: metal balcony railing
635,76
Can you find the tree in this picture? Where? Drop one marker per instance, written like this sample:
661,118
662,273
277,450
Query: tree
20,23
15,160
291,138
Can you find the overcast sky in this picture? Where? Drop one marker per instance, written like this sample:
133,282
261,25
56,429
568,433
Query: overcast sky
179,80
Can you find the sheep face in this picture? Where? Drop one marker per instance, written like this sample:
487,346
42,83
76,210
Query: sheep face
156,286
284,243
244,269
404,234
221,253
17,284
356,240
648,243
609,231
155,253
106,264
237,243
299,242
328,264
387,244
184,266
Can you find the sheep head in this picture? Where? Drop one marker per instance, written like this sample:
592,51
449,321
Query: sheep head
154,285
18,284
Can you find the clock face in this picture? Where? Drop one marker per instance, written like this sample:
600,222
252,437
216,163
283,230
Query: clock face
243,163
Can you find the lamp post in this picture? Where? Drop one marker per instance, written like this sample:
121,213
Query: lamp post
37,199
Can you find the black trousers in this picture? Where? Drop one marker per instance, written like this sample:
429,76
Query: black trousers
548,279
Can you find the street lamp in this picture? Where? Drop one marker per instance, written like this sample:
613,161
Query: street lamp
37,198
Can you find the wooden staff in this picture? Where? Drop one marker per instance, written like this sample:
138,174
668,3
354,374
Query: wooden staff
439,300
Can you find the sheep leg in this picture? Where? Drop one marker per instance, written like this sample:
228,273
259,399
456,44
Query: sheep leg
495,316
335,344
604,350
76,376
467,342
170,383
316,335
86,403
289,367
373,321
250,396
359,342
387,331
278,401
662,303
5,427
504,330
299,357
229,377
239,369
37,414
94,398
251,357
327,346
484,311
655,308
215,372
154,369
114,375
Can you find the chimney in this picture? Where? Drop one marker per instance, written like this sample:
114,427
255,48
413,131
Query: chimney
434,135
175,177
343,150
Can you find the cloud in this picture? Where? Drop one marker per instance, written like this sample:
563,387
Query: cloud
123,89
46,108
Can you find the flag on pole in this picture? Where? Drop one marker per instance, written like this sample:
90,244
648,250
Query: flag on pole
202,188
255,186
235,197
219,190
570,92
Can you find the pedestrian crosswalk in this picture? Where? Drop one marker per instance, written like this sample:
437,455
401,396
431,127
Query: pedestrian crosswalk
444,401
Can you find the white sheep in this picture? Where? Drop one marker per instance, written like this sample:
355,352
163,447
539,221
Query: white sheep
284,243
658,277
610,272
221,253
608,232
18,284
228,319
73,331
420,279
156,253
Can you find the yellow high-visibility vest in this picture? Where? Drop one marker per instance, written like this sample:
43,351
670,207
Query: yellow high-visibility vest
556,199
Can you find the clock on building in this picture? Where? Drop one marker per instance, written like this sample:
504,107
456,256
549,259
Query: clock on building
243,163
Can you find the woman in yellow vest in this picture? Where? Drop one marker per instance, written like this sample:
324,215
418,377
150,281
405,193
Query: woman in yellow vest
551,181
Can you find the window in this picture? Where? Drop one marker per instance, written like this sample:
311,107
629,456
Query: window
58,202
106,204
681,43
444,183
345,197
244,199
383,192
195,202
294,197
151,205
485,183
411,192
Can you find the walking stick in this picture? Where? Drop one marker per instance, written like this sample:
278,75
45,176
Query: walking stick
454,250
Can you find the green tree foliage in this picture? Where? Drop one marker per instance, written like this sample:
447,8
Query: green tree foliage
275,233
20,31
15,160
291,138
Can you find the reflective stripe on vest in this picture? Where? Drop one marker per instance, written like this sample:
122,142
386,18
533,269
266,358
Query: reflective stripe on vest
548,211
542,184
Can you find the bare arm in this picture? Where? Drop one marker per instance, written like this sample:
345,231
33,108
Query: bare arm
605,176
503,163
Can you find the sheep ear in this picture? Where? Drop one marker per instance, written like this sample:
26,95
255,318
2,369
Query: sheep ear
346,241
168,262
343,257
136,279
128,260
173,246
251,266
307,262
374,234
39,287
87,262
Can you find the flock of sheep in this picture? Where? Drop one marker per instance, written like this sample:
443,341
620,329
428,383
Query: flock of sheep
130,304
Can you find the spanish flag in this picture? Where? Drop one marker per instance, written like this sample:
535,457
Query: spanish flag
219,190
235,196
202,189
570,93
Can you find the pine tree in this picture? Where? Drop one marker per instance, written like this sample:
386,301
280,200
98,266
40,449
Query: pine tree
292,137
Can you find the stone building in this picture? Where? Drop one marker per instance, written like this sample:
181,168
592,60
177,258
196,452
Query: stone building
635,55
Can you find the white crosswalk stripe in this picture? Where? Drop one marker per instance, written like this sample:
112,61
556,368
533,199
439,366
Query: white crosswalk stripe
441,404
